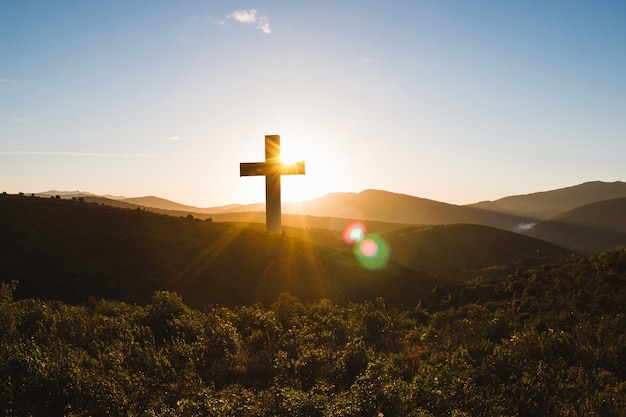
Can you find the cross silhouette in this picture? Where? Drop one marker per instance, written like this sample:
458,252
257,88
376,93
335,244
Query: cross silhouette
272,169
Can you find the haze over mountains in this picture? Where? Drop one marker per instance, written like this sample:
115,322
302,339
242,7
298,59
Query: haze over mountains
583,230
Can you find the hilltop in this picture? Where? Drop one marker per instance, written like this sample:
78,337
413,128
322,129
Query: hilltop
386,211
546,204
71,250
590,228
462,249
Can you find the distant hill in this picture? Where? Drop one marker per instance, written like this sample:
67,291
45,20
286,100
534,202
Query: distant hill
64,194
385,211
161,203
73,250
401,208
451,249
546,204
590,228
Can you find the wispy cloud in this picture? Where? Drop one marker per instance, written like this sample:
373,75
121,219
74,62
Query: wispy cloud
264,24
19,120
174,137
364,60
73,153
4,81
243,16
250,16
109,155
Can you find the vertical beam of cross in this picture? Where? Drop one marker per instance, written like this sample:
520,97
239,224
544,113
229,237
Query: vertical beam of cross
272,169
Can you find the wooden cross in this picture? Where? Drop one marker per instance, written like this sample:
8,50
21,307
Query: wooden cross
272,168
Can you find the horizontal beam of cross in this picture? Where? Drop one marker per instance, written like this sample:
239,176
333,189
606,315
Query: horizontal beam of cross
247,169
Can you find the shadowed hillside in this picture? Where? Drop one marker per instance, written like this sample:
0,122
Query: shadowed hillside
591,228
451,249
71,250
546,204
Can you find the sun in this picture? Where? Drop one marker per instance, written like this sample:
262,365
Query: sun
292,151
315,182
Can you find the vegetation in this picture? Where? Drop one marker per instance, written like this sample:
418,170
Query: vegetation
71,250
452,250
107,311
547,340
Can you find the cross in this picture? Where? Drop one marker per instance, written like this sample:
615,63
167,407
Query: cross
272,168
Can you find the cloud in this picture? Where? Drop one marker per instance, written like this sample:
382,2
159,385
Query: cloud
243,16
182,38
250,16
264,24
174,137
365,60
110,155
72,153
19,120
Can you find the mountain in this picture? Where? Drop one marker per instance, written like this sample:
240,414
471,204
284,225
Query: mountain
71,250
163,204
547,204
449,250
590,228
385,211
401,208
64,194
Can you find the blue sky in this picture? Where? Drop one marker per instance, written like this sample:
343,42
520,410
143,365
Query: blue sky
456,101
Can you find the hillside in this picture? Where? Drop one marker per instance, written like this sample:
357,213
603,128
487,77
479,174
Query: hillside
71,250
163,204
371,205
448,250
546,340
513,213
546,204
590,228
401,208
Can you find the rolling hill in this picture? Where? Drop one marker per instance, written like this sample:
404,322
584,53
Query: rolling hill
371,205
385,211
590,228
547,204
401,208
448,250
71,251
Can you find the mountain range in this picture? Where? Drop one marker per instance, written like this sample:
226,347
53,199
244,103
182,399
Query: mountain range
557,216
66,248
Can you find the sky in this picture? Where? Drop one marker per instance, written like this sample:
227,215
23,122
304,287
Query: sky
455,101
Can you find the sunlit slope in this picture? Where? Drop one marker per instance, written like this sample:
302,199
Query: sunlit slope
371,205
451,249
71,251
546,204
401,208
591,228
253,218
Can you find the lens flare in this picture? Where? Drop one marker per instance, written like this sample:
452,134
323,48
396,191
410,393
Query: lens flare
354,232
372,252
